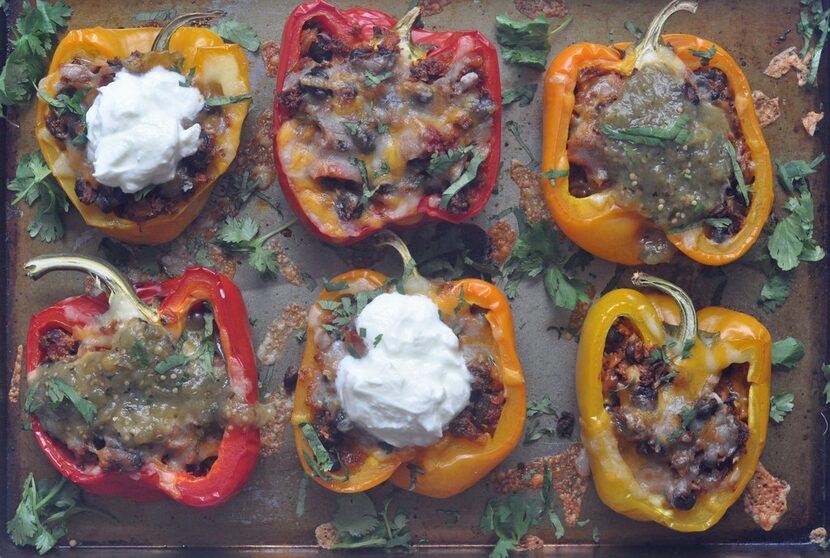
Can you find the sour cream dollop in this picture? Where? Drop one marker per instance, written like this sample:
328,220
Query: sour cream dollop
136,129
413,381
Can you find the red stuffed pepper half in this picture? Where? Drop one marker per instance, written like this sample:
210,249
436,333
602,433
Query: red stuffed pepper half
149,392
378,123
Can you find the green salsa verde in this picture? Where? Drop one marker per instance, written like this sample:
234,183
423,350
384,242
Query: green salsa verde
144,397
666,154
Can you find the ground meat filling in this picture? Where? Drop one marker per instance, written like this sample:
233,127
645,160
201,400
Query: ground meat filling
69,128
598,163
372,121
346,443
679,461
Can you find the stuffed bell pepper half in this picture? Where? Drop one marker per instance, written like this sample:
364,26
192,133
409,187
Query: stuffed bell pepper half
138,125
380,123
411,380
149,392
653,147
673,404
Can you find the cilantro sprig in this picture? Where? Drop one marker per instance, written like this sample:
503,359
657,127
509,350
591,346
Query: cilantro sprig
241,235
522,94
34,31
813,23
359,524
780,405
41,516
63,103
34,183
539,252
509,522
59,391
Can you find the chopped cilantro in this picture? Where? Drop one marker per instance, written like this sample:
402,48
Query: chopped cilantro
513,128
526,42
377,339
522,94
792,240
814,23
780,405
553,174
462,302
239,33
321,455
787,352
371,80
466,178
775,292
440,163
220,100
541,407
705,55
633,29
742,188
678,133
792,175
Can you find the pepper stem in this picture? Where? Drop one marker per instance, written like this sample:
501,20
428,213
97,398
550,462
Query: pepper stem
404,29
651,39
162,41
121,290
685,338
388,238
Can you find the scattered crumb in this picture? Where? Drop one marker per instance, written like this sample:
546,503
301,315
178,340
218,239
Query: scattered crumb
569,482
530,542
811,121
547,8
257,156
433,7
768,110
502,238
326,535
221,261
818,536
765,498
292,317
531,199
581,310
272,433
785,60
14,386
288,269
270,52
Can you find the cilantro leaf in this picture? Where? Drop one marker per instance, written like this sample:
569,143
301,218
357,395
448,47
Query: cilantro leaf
239,33
793,174
787,352
466,177
236,230
220,100
526,42
440,163
793,235
781,405
510,522
371,80
321,454
32,183
359,525
563,290
775,292
58,391
523,94
705,55
540,407
33,32
334,286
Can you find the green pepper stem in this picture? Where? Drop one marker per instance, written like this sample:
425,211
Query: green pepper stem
404,29
163,38
688,316
388,238
118,285
651,39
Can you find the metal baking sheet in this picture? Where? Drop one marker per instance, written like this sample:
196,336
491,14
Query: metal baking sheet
262,519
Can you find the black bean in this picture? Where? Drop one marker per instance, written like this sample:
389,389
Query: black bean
683,499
